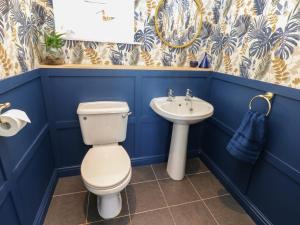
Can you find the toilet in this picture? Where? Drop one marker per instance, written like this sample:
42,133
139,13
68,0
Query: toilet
106,167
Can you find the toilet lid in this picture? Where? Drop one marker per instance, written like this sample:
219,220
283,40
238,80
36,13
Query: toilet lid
105,166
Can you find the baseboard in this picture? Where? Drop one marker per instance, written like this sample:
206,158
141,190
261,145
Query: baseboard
139,161
250,208
148,160
68,171
41,214
75,170
158,158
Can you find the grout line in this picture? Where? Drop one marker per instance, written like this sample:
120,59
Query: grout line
215,219
165,207
87,208
141,182
71,193
148,181
206,171
149,210
217,196
164,197
185,203
129,214
203,201
167,178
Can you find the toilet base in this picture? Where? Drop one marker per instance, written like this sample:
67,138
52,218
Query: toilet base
109,206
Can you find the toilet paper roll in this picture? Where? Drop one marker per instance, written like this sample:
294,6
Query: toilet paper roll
12,121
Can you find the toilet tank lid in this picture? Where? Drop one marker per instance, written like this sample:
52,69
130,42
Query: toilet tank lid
102,107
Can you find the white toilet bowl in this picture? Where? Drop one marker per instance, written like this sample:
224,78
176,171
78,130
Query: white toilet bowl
106,168
106,171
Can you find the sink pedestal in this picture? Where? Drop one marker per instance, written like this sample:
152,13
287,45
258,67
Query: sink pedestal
178,151
182,114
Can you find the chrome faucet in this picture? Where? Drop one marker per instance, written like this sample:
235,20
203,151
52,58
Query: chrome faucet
170,95
188,95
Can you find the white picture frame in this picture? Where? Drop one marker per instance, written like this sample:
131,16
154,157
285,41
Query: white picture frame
95,20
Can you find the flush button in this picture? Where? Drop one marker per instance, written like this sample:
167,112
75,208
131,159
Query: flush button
84,118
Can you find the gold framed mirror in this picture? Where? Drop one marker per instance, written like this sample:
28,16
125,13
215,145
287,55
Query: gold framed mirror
178,23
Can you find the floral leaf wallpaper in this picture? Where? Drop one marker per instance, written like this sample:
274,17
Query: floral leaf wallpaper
257,39
23,22
254,39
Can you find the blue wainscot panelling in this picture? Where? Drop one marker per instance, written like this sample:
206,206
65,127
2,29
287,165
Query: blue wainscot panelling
275,194
8,212
26,160
148,135
29,162
269,190
39,172
2,177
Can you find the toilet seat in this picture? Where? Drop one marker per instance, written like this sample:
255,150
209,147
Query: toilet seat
106,167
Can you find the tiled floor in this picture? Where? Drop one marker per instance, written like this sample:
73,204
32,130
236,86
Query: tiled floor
152,199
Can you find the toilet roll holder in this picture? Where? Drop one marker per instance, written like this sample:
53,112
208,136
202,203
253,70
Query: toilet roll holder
4,106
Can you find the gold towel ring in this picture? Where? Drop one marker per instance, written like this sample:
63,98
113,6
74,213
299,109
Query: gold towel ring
268,97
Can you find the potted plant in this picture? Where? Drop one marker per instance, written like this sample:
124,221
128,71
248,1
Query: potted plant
54,54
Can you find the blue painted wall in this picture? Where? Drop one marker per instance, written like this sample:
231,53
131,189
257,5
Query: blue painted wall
26,160
270,190
29,162
52,145
148,135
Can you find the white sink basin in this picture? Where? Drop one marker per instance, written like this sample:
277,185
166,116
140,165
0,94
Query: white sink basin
182,113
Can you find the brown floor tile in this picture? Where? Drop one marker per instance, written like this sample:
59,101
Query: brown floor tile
161,170
142,173
178,192
195,165
192,214
157,217
66,210
67,185
117,221
207,185
227,211
144,196
93,214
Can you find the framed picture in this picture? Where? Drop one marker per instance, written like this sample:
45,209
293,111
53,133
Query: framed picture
95,20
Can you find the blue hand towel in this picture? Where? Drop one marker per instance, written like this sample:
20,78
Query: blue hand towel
248,141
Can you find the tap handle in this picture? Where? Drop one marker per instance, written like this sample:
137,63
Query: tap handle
188,92
170,92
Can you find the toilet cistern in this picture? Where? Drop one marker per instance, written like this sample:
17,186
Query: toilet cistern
182,111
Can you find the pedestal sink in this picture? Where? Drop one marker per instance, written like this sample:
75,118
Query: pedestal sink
183,112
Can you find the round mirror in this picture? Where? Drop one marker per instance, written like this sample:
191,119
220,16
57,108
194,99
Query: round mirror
178,22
